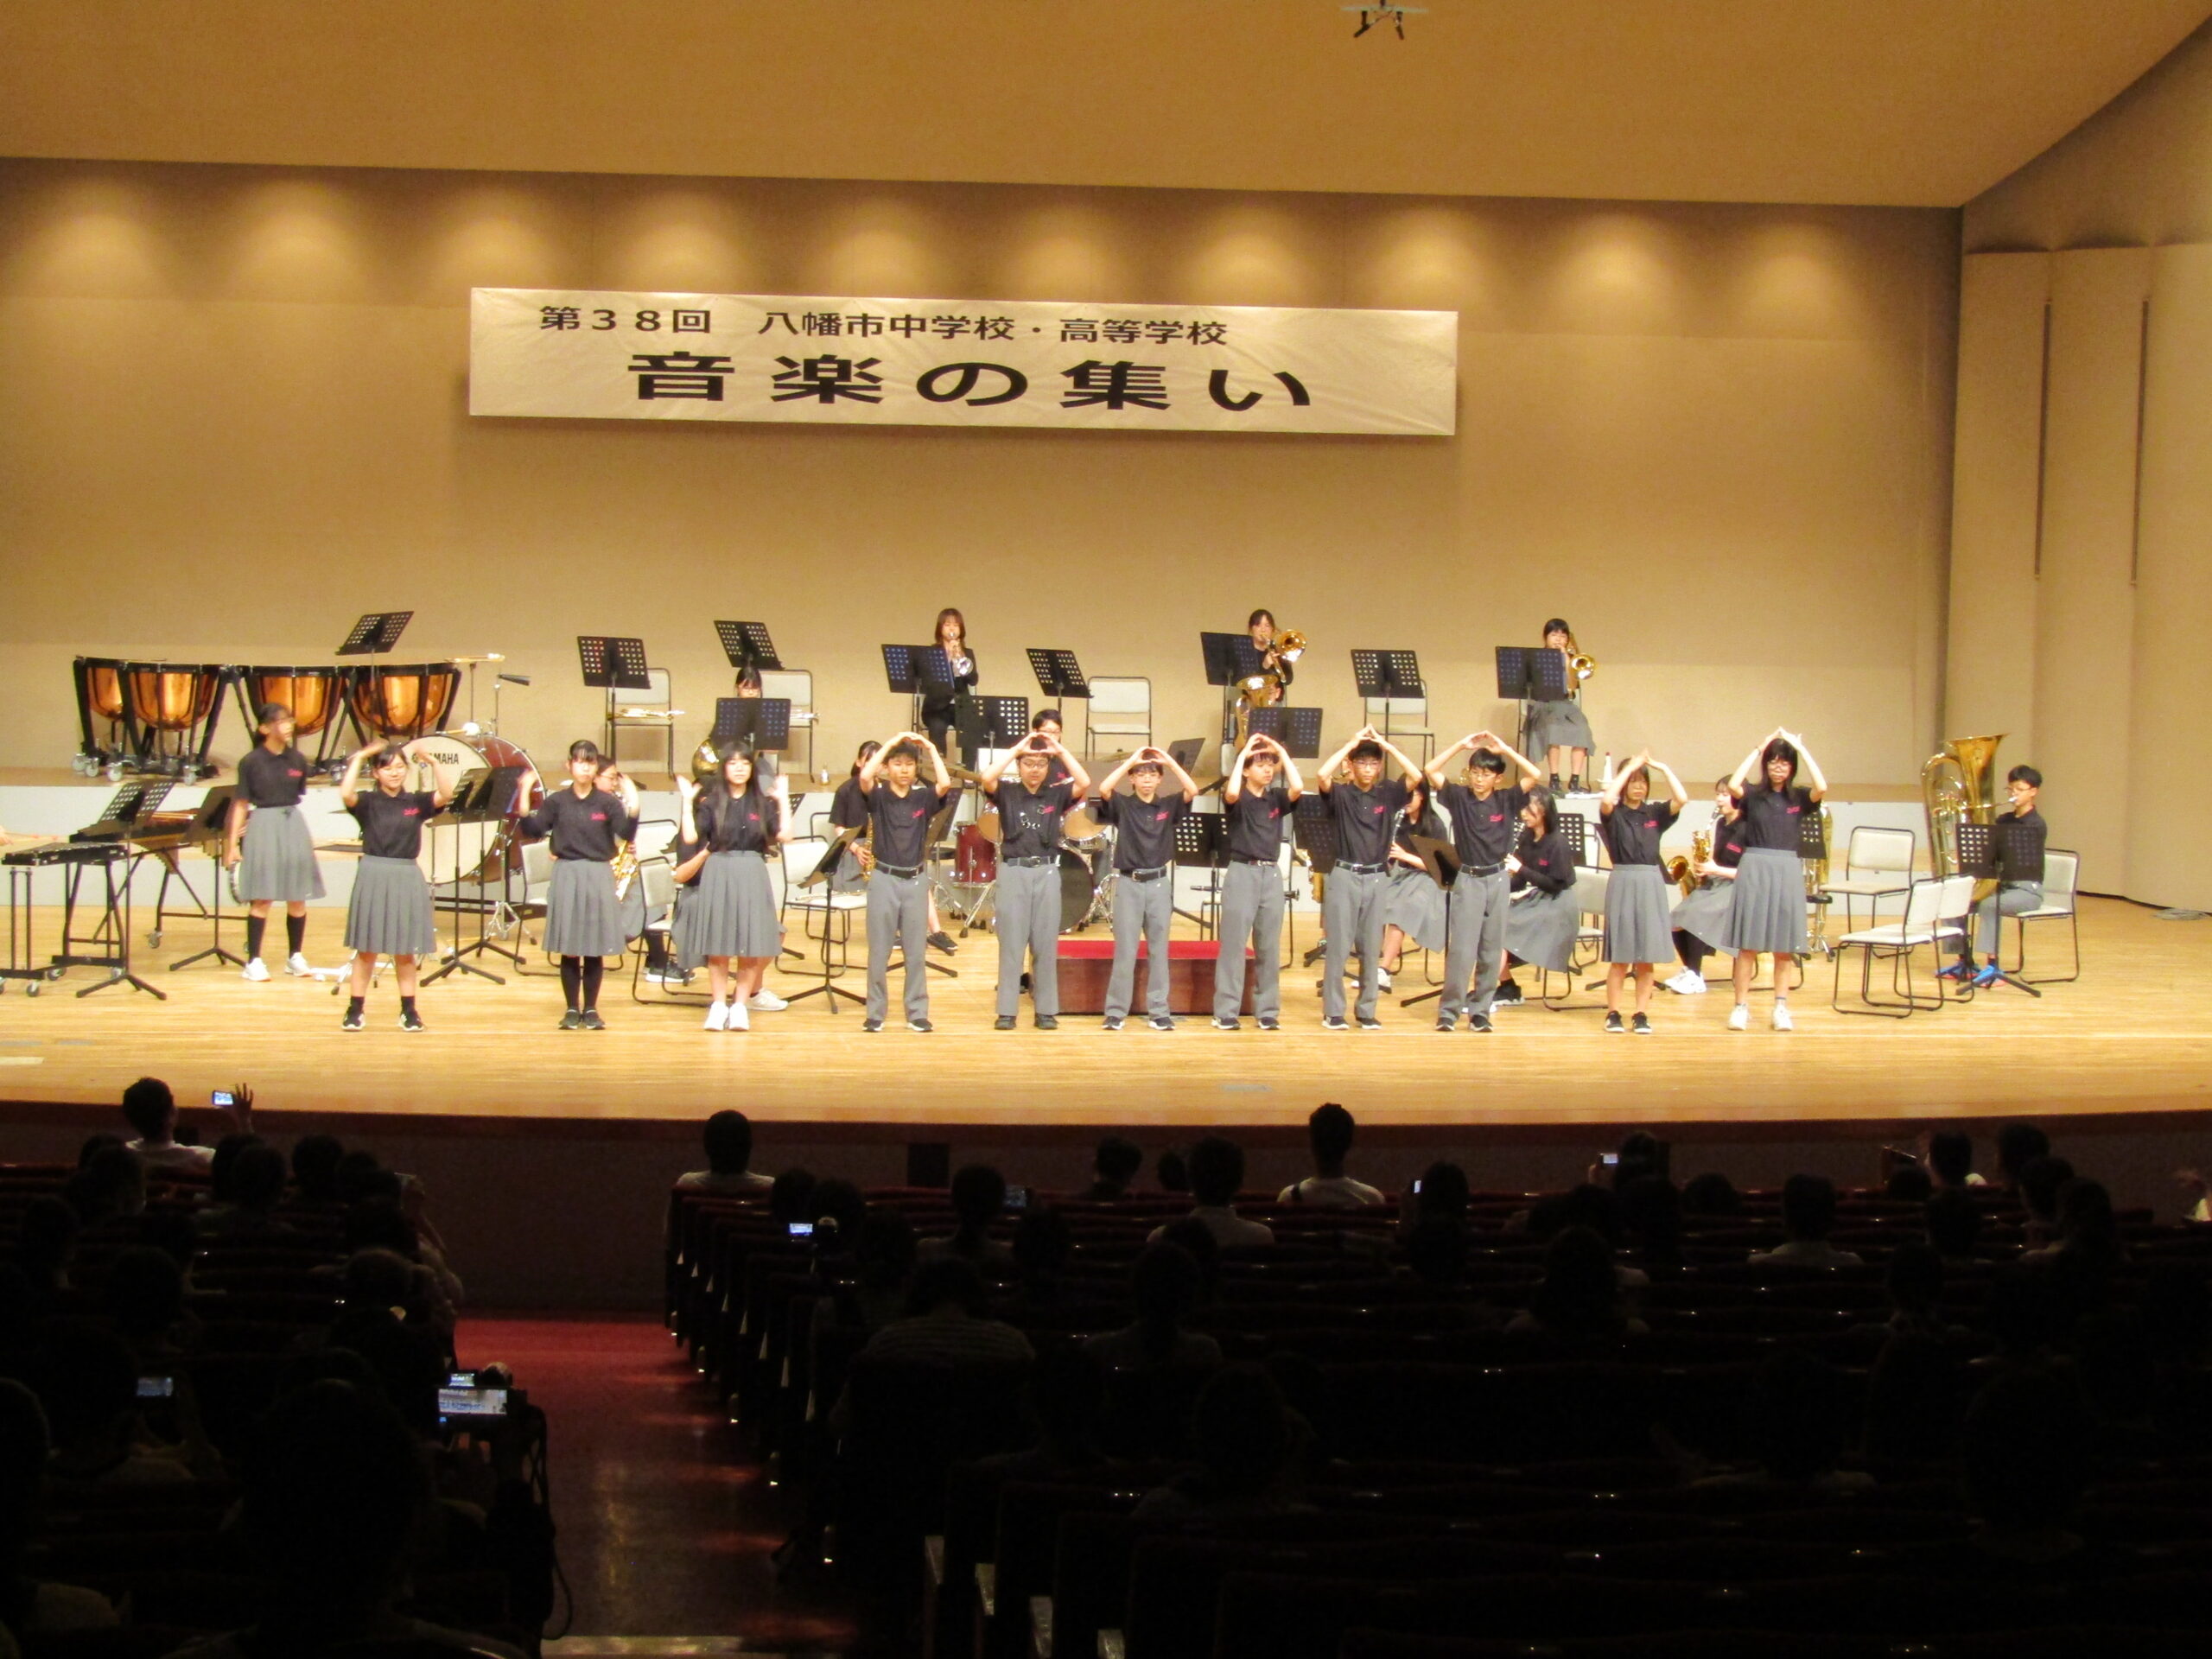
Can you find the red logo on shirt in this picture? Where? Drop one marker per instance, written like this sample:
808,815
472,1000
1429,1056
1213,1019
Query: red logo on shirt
1794,811
411,811
1160,818
598,817
294,771
753,816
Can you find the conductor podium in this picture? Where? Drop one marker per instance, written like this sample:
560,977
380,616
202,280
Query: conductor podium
1085,965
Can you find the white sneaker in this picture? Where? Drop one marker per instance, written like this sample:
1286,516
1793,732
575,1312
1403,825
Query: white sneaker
1781,1020
296,965
256,971
765,1001
738,1020
1739,1017
1688,982
717,1016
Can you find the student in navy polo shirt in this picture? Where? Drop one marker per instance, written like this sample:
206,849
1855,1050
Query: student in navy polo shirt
1768,911
390,912
1638,934
1701,915
1364,811
1256,798
1144,862
585,821
1484,813
268,843
1032,808
900,808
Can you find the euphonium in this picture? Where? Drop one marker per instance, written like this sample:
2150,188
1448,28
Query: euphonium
705,763
1581,665
1264,688
1954,787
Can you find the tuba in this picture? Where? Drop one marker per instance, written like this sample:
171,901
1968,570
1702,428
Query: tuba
1955,789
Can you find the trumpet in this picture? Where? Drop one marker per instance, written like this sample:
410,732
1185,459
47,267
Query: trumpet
1684,873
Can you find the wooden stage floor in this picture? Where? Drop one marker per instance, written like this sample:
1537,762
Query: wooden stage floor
2133,1035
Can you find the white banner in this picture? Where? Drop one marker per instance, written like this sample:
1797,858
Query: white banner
752,357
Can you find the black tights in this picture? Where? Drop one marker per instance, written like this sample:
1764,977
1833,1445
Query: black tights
1692,950
580,977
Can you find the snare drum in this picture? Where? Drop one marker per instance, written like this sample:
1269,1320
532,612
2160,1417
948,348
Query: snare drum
483,849
975,856
404,702
310,693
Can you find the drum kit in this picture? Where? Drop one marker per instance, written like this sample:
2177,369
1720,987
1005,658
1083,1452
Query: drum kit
1086,854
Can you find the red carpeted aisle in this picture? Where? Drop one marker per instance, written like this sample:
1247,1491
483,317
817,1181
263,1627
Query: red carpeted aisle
665,1528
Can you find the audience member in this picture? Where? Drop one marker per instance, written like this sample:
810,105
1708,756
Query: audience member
729,1171
1067,1401
1192,1235
790,1196
1329,1134
883,1261
2038,1182
1951,1159
1172,1172
144,1295
1808,1213
1710,1195
1914,1279
2019,1145
1800,1428
1113,1167
46,1239
1436,1252
1217,1175
1166,1281
1579,1298
151,1109
253,1187
1909,1183
949,1321
315,1159
1640,1153
1915,1394
89,1386
1042,1246
1651,1219
1953,1223
978,1204
29,1608
110,1188
1242,1432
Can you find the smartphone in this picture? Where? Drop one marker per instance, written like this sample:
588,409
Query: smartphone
1017,1198
224,1098
1610,1160
462,1403
802,1230
1416,1189
158,1388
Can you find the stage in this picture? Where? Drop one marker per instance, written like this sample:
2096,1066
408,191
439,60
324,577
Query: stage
2127,1038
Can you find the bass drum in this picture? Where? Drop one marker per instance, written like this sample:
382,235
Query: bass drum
484,849
1078,890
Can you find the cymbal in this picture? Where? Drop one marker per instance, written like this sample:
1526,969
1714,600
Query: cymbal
959,773
486,656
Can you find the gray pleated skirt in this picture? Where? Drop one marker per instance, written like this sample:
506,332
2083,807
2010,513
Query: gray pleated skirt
277,860
1769,912
1558,725
1540,930
731,912
582,916
390,912
1702,912
1637,927
1414,906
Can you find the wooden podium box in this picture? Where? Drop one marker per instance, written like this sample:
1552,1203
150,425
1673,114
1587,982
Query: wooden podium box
1085,965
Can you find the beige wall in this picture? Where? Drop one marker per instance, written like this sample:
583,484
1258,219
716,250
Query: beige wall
232,417
2105,242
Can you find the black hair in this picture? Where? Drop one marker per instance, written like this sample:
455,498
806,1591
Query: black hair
1263,615
1711,1194
715,791
1037,721
1808,1206
1118,1160
903,751
978,1195
148,1106
1436,1249
271,712
948,1279
144,1292
1909,1183
1443,1190
257,1176
1485,760
385,756
1173,1172
2039,1184
314,1167
2019,1145
1950,1156
335,1489
584,749
1329,1131
2027,775
1915,1277
1164,1282
791,1195
1778,749
1557,625
861,756
1366,749
1541,799
1241,1429
728,1137
1217,1170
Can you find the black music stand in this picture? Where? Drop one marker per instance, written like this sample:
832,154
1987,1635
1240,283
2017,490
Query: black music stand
832,968
1977,844
1000,722
612,663
1058,676
1529,674
210,826
940,821
487,796
1202,843
1441,860
1228,658
1387,676
1297,730
1313,830
749,647
759,723
375,633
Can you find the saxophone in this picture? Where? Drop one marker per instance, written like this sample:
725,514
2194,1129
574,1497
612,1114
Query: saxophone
1683,872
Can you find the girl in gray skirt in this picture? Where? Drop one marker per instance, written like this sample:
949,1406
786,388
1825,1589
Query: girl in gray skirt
268,843
1638,934
1545,918
1768,911
1558,730
390,913
728,827
583,918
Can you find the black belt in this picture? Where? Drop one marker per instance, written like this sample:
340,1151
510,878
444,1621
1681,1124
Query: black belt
1033,863
1244,858
892,869
1479,870
1148,875
1360,869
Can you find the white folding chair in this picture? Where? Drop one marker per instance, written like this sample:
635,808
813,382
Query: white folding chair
1401,719
1932,906
657,885
798,684
2061,871
1590,886
1877,864
1119,706
650,709
833,909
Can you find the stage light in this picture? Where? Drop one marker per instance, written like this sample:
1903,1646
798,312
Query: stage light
1395,15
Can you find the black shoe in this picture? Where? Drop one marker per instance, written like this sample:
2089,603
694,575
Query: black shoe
1333,1022
1370,1025
1004,1022
410,1020
919,1025
1640,1025
943,941
1508,995
572,1020
1161,1022
1613,1025
1228,1024
1112,1022
351,1021
1446,1024
1478,1022
592,1021
871,1024
1268,1022
1048,1022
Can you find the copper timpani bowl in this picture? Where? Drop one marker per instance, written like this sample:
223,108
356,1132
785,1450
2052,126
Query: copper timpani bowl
103,687
404,702
172,697
310,693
